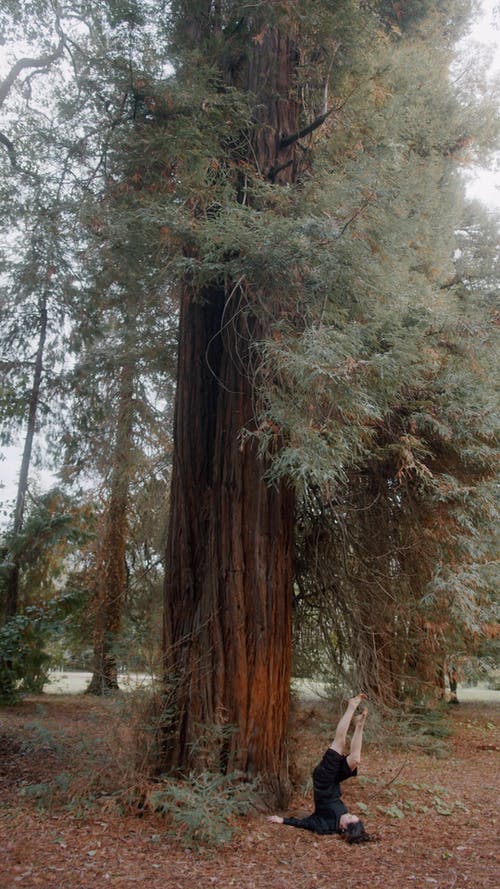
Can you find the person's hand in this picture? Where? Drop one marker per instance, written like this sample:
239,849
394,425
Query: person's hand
275,819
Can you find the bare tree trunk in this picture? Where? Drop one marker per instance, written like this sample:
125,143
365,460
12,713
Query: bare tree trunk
112,578
228,591
12,597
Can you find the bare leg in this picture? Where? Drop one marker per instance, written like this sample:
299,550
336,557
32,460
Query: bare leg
340,738
354,757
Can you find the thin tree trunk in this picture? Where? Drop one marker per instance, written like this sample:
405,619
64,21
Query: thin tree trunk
12,598
380,664
112,576
228,590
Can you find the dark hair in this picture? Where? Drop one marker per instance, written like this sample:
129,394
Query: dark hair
356,833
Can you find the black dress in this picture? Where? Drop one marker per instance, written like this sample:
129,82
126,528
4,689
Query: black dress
328,805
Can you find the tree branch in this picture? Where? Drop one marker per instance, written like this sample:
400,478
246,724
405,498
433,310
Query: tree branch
10,150
289,140
275,170
353,217
42,62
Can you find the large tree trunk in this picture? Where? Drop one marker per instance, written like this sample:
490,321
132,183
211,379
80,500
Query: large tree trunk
228,593
112,576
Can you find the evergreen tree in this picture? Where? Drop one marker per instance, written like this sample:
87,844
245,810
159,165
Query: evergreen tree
94,92
396,568
39,270
116,429
37,285
312,159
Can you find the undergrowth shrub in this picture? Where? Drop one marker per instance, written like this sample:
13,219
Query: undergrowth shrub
118,756
23,660
421,728
45,792
106,754
203,807
107,761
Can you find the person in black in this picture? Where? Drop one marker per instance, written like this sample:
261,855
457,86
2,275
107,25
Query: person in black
330,813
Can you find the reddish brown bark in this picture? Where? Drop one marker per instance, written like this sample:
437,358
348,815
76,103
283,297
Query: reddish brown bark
271,77
228,594
228,591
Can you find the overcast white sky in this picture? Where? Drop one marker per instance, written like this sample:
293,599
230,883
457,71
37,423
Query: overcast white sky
483,184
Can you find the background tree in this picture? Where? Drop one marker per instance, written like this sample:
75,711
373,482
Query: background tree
121,371
55,534
94,91
38,257
34,308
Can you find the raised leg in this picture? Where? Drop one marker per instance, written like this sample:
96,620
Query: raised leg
339,741
354,757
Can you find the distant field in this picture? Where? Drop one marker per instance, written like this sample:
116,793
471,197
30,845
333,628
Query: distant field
309,690
70,682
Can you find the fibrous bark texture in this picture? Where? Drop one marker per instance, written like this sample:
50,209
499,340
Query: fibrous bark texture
228,606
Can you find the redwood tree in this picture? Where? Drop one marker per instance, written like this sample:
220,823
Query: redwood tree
229,553
307,147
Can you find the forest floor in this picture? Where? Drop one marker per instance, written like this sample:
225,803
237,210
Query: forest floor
432,809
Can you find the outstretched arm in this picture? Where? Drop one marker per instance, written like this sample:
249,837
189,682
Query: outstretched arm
311,822
339,741
354,757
